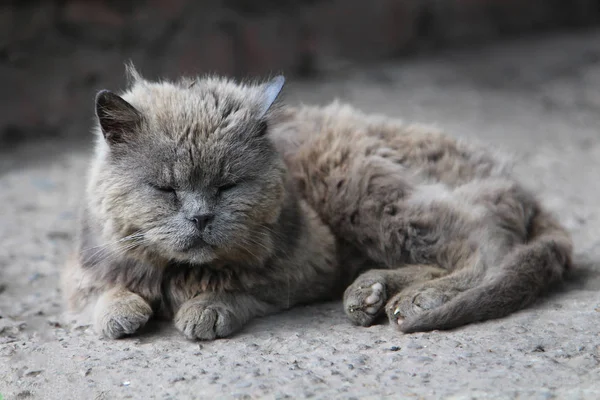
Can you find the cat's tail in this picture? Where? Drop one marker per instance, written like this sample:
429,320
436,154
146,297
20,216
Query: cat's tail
526,272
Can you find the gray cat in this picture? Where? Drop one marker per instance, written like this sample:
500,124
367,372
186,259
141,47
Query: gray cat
209,205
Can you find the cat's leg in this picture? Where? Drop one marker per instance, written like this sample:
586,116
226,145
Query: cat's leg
216,315
477,257
120,312
358,190
365,298
424,296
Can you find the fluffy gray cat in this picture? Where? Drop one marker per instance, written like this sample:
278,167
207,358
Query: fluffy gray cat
209,205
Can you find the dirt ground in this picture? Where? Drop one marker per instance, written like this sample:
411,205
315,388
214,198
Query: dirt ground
537,99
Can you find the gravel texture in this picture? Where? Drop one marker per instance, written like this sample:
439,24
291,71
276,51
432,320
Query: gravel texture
537,99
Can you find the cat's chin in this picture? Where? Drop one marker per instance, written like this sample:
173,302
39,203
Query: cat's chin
196,251
196,256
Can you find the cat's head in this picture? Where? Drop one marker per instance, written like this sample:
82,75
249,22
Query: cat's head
185,170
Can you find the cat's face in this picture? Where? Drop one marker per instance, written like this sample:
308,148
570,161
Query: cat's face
188,171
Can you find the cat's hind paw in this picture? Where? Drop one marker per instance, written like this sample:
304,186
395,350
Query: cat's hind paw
412,302
363,302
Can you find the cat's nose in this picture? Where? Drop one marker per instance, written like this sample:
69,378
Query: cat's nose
201,221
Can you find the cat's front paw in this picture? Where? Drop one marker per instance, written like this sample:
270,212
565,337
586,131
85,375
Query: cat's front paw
206,321
120,313
364,300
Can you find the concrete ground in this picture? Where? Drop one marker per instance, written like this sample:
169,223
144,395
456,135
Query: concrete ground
537,98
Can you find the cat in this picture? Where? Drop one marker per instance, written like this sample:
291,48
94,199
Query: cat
210,203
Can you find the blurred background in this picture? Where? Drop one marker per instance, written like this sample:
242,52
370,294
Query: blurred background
54,54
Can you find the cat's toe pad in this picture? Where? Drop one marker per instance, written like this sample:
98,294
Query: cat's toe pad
374,299
364,303
197,320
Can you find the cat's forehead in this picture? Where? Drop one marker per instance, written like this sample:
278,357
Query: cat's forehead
195,109
197,129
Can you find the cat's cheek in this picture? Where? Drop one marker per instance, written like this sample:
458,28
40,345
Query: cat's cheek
273,216
224,230
271,208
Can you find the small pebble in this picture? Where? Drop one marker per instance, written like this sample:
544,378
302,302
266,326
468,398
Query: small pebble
33,374
177,379
520,329
54,324
35,276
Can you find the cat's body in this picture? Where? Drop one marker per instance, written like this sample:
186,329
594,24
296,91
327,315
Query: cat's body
206,206
412,197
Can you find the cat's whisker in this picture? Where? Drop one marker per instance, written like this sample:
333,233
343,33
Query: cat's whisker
133,236
113,251
118,252
107,246
247,250
257,243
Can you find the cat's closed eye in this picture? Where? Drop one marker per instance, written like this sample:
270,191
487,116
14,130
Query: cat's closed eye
226,187
163,189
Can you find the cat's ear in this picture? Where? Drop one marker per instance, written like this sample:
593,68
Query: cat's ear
270,91
132,74
118,119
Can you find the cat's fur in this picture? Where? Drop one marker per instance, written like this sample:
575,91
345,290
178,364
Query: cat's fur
277,206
